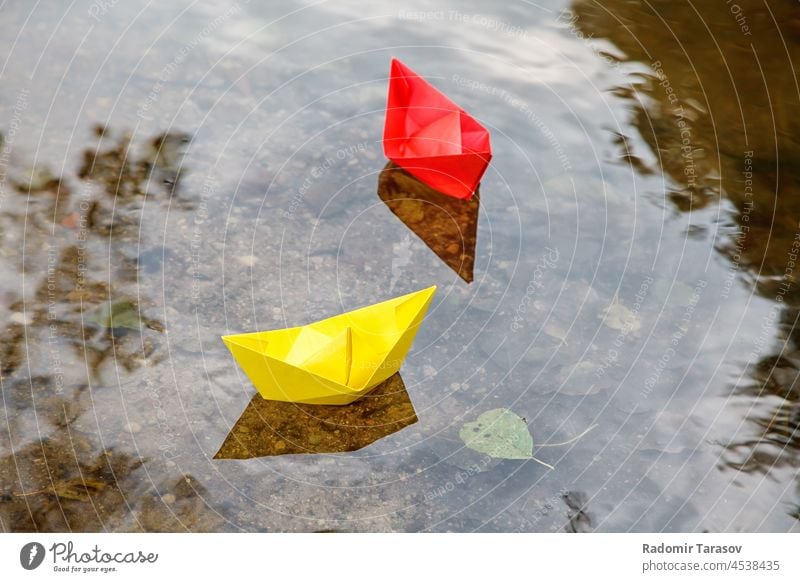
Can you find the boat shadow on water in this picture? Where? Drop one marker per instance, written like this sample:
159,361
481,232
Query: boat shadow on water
269,427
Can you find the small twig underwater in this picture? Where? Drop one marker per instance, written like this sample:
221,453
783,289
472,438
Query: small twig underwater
47,489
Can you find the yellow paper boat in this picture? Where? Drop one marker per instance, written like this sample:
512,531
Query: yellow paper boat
335,360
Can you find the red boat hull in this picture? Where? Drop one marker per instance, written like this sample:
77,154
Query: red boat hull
431,137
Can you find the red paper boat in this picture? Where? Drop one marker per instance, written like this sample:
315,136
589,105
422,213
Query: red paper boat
433,138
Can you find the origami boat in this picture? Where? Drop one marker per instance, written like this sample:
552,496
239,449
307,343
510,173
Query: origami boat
335,360
431,137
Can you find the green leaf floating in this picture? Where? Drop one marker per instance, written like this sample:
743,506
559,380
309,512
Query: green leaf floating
499,433
117,315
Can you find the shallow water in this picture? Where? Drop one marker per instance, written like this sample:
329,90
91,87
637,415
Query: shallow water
169,175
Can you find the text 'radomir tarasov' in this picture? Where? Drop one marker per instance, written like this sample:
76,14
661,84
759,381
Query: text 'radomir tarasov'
689,549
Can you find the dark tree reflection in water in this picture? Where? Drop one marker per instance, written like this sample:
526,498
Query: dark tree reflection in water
717,112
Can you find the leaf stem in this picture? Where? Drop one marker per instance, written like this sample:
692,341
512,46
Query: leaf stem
549,466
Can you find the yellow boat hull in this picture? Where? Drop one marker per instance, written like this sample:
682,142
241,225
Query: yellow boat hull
332,361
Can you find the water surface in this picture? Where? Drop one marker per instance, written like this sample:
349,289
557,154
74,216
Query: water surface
171,174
